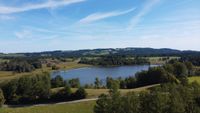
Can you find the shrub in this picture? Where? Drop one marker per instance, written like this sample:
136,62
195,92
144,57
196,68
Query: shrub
80,93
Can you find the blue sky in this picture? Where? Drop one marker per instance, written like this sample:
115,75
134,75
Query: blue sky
43,25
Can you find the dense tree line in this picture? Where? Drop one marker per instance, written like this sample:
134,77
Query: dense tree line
195,60
58,81
167,98
114,61
20,65
27,89
66,94
33,89
172,72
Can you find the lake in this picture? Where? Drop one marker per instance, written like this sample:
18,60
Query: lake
87,75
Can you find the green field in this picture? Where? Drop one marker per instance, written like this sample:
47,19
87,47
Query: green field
83,107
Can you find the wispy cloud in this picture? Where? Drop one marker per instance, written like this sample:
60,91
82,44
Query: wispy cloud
100,16
48,4
6,17
30,34
147,7
24,34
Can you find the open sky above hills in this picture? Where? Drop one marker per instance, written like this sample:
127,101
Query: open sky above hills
43,25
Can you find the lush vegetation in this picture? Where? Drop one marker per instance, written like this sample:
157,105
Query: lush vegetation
173,72
175,95
66,94
167,98
114,61
193,59
82,107
58,81
74,83
20,65
33,89
27,89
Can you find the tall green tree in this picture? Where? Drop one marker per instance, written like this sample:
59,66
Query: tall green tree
130,103
74,83
109,103
109,82
180,69
155,102
97,83
10,90
103,104
57,82
190,67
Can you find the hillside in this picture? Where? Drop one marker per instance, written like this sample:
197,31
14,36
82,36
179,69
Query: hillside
108,51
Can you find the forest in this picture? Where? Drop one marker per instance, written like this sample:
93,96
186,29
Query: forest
114,61
20,65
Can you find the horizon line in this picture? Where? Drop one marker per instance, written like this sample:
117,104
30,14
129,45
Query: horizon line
62,50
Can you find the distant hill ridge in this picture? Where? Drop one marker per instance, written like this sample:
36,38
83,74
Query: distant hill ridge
109,51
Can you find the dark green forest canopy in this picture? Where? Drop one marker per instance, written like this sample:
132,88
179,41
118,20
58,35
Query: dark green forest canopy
20,65
115,61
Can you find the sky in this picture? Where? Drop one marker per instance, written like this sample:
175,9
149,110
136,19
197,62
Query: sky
46,25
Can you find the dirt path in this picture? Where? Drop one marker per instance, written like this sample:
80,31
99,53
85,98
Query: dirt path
59,103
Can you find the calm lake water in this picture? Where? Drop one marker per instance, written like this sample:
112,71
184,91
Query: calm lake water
87,75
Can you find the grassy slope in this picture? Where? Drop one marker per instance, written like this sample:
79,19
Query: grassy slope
83,107
92,93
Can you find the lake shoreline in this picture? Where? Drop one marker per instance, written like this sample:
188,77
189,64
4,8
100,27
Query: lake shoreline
88,74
